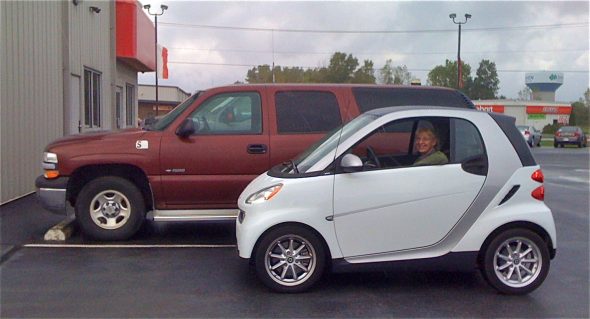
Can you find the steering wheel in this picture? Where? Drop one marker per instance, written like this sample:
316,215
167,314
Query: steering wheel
373,157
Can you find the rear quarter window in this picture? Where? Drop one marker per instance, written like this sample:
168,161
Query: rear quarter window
306,112
373,98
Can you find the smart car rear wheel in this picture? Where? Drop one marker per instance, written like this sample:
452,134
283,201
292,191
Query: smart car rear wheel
516,261
290,259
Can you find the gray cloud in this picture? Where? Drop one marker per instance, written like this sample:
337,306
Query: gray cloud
557,48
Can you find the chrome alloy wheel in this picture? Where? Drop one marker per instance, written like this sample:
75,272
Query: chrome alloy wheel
290,260
517,262
110,209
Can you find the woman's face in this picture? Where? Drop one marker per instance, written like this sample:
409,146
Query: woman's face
425,142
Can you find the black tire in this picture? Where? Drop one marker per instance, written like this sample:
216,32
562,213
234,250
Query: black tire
314,249
122,210
539,143
555,144
515,284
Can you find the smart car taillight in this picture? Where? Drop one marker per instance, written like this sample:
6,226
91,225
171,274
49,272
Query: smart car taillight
527,132
539,193
538,176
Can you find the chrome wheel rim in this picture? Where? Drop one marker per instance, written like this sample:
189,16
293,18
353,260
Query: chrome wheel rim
517,262
290,260
110,209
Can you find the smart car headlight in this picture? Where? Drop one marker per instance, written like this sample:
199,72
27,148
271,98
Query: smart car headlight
264,194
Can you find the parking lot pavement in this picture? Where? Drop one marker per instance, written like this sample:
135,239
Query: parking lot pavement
185,270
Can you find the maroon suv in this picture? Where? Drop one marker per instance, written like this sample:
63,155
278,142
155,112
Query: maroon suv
193,163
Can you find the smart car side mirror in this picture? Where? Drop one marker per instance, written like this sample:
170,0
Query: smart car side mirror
187,128
351,163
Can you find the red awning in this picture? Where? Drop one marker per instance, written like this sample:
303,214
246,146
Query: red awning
135,36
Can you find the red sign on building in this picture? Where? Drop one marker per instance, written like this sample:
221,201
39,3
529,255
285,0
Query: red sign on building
491,108
557,109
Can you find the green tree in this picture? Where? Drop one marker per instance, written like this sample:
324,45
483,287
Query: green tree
386,73
259,74
364,74
486,82
394,75
579,115
401,75
446,75
341,68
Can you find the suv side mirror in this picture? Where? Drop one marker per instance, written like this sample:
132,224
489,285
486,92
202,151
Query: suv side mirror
351,163
187,128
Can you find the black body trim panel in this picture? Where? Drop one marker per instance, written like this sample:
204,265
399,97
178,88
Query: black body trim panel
57,183
459,261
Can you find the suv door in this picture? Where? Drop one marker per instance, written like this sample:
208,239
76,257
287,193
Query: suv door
209,169
392,205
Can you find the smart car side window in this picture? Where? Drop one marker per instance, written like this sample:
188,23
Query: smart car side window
229,113
421,141
468,148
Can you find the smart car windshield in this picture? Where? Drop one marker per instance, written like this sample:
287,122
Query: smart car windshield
328,143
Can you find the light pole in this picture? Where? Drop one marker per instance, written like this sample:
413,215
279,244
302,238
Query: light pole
459,67
156,14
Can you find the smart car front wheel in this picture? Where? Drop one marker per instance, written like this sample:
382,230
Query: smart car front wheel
290,259
516,261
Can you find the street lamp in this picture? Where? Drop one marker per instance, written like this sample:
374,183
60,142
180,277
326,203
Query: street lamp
156,14
459,67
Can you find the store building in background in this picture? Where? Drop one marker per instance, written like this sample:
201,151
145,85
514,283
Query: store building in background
168,98
541,110
65,67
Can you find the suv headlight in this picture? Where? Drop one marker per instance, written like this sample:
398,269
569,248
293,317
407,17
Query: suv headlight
49,157
50,165
264,194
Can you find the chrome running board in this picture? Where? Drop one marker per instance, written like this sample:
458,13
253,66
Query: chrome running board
193,215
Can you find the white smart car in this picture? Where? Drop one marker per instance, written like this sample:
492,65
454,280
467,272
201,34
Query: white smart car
371,193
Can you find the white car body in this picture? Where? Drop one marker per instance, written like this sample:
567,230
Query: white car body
405,213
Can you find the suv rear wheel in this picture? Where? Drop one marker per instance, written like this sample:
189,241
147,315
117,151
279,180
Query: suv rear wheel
516,261
110,208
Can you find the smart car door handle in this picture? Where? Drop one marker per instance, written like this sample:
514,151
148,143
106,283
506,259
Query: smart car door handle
257,149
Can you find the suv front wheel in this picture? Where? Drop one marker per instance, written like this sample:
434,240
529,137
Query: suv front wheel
110,208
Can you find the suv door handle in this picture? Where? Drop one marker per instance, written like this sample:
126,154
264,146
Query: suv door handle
256,149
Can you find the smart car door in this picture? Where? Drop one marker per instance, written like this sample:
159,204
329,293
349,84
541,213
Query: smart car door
397,206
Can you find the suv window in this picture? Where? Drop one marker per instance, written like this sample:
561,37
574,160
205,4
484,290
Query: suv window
307,112
373,98
229,113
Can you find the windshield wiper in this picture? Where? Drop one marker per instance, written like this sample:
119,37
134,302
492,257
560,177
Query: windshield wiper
292,164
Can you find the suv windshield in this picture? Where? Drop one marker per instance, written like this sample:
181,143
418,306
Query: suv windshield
163,123
328,143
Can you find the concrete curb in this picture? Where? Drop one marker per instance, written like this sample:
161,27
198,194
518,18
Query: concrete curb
62,231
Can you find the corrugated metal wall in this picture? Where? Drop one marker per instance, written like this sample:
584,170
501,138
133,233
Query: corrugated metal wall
31,98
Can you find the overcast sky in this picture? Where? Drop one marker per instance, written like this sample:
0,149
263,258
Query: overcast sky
201,57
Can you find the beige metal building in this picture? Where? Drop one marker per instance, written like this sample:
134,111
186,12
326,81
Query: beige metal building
63,71
168,98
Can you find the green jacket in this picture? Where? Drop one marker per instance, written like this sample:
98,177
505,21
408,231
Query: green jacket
436,158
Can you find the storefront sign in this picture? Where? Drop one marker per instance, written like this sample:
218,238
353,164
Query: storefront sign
535,109
537,116
491,108
563,119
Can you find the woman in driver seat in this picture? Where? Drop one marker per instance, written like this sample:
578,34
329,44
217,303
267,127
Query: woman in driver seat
426,144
